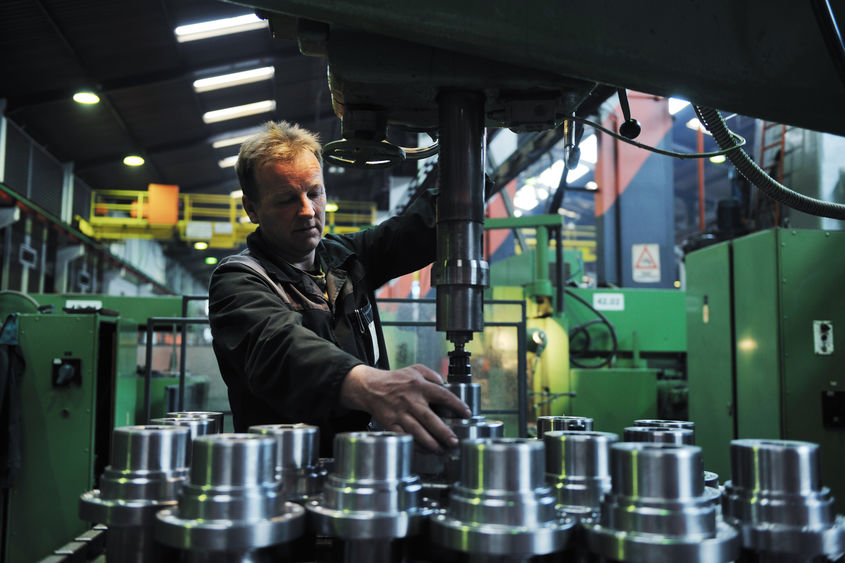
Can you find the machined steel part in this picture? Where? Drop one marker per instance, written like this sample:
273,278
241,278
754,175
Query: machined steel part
460,272
550,423
667,423
147,468
777,500
501,506
659,434
232,504
578,468
198,426
215,415
371,494
297,458
658,509
439,471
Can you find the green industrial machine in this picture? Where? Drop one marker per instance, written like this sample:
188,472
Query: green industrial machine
78,379
612,354
763,362
68,396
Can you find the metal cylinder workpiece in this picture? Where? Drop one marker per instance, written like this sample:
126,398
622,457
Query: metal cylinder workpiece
147,467
371,501
232,502
554,423
297,458
658,509
197,425
659,434
668,423
777,500
578,468
214,415
501,506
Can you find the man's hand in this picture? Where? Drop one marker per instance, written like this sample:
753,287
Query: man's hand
399,401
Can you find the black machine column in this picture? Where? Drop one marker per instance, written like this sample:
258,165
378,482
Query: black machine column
460,272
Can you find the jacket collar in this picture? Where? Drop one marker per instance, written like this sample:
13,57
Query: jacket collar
330,256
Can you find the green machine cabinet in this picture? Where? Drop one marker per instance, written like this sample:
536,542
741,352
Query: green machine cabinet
764,313
68,409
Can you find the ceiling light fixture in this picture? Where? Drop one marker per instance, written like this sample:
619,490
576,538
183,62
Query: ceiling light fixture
237,194
235,112
718,159
210,260
200,245
227,162
331,207
133,160
234,79
216,28
86,98
233,140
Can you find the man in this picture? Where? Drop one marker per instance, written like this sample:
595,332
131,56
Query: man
294,321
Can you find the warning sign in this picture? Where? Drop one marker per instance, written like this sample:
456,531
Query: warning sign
645,259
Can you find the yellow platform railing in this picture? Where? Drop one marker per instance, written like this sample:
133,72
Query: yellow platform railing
219,220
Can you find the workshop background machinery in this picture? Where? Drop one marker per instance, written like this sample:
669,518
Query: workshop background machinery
74,363
762,315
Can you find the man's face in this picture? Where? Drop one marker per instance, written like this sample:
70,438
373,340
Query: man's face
291,207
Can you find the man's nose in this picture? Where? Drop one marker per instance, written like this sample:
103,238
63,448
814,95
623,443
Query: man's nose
306,206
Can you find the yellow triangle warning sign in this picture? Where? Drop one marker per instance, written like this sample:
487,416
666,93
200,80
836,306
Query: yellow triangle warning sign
646,261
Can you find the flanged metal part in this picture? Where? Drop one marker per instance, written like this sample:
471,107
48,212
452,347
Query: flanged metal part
578,469
232,502
777,500
297,458
371,494
215,415
554,423
661,434
147,468
501,505
658,509
198,426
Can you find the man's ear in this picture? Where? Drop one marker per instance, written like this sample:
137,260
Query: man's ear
250,208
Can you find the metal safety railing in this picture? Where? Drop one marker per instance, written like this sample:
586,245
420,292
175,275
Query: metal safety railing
217,219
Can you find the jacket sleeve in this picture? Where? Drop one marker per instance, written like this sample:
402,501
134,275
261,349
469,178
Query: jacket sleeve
263,342
400,245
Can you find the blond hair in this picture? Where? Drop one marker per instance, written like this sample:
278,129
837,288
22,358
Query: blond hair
278,141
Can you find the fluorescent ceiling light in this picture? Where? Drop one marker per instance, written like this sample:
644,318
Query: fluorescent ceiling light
237,194
200,245
210,260
676,105
228,161
234,140
591,185
696,125
576,173
234,79
331,207
133,160
216,28
235,112
86,98
718,159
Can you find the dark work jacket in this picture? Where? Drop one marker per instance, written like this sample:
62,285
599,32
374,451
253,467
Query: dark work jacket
284,352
